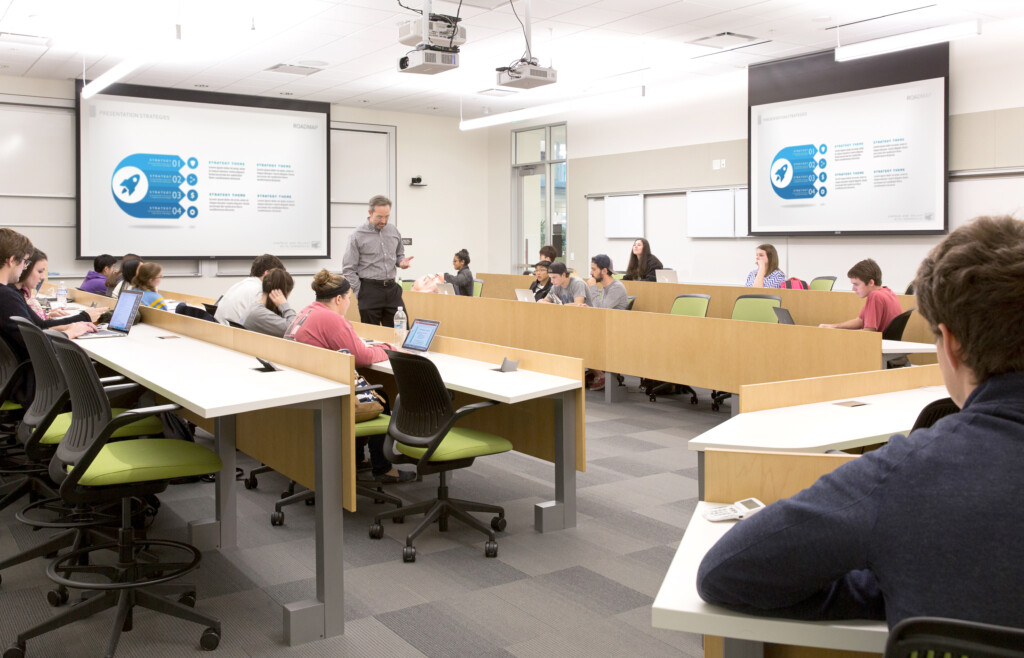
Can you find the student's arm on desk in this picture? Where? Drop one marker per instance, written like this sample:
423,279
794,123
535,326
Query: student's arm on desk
855,323
806,557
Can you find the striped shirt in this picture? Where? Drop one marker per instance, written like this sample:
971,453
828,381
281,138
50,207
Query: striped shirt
152,299
773,280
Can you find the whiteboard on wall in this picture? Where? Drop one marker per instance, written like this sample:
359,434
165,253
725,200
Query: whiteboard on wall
710,214
37,151
624,216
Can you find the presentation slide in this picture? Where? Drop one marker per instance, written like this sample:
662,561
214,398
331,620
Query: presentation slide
864,161
169,178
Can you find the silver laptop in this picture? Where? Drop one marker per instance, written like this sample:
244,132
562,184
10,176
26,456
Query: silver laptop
525,295
420,335
446,289
666,276
123,317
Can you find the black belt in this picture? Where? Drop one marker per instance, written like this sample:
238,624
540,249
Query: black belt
380,283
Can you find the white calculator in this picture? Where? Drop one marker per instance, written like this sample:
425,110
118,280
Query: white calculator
741,509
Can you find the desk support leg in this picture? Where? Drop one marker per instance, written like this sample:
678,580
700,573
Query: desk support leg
221,532
733,648
305,621
561,513
700,475
612,391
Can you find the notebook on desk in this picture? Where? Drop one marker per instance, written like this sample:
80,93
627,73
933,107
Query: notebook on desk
525,295
666,276
123,317
420,335
783,315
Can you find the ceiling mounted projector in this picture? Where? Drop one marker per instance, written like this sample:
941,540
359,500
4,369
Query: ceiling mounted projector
428,62
526,76
442,29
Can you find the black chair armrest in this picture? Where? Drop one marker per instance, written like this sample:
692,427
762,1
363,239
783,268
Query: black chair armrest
470,408
369,387
112,379
119,388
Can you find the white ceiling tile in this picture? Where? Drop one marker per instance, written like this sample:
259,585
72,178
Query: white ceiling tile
591,17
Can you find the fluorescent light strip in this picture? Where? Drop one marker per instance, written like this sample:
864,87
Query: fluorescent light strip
908,40
110,77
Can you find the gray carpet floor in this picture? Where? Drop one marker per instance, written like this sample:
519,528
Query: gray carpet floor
585,591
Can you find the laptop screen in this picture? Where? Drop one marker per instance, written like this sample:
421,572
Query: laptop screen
124,311
783,315
421,333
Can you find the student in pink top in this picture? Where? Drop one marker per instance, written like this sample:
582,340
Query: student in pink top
323,324
881,305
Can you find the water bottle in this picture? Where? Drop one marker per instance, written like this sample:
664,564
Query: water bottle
62,294
400,327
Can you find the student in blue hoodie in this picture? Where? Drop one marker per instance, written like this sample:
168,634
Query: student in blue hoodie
929,524
96,280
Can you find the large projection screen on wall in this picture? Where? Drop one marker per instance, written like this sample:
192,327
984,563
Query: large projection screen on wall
172,174
865,152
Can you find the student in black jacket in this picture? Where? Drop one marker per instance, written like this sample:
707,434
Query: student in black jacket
643,265
542,286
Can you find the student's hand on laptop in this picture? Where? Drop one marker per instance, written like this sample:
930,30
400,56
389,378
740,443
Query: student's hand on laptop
96,312
77,329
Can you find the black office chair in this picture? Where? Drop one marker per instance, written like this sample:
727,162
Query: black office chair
11,373
234,324
94,470
933,411
423,432
630,300
895,332
191,311
921,637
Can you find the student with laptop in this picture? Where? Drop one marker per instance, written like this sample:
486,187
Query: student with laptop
236,301
147,278
542,285
566,289
323,324
880,305
929,524
273,315
28,283
123,317
643,265
463,278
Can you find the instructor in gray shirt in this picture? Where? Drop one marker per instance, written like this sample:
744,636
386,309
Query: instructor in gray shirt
373,253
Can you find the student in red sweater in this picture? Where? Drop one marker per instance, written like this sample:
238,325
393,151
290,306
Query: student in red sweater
881,305
323,324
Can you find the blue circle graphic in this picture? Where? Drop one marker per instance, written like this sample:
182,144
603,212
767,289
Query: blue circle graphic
192,179
821,163
193,163
193,211
822,191
823,149
822,177
193,195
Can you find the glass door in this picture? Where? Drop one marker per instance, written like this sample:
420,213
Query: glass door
539,195
533,214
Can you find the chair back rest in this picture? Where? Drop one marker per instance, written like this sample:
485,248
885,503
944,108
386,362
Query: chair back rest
921,637
234,324
895,329
51,389
618,275
88,400
823,283
478,286
910,289
630,300
694,305
9,369
407,284
756,308
933,411
423,411
191,311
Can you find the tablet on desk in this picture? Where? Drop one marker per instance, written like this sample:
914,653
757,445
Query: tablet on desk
421,334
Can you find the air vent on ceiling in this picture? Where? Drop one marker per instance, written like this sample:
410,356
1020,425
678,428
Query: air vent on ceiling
723,40
8,38
293,69
493,91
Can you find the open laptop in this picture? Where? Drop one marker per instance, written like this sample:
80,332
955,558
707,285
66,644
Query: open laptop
783,315
420,335
666,276
122,318
525,295
446,289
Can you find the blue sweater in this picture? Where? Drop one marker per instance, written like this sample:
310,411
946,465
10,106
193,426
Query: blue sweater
929,525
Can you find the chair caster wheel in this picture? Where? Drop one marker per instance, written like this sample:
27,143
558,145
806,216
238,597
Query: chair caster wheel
714,406
491,549
57,597
188,598
15,651
652,398
251,482
499,523
277,518
209,639
398,519
694,400
376,531
409,554
310,502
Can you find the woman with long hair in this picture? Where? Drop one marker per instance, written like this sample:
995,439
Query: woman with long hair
147,277
273,315
766,272
643,265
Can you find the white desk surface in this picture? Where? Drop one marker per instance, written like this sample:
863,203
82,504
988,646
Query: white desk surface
482,379
906,347
820,426
206,379
679,607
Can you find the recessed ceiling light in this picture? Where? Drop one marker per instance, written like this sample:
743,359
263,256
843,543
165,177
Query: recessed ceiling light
319,63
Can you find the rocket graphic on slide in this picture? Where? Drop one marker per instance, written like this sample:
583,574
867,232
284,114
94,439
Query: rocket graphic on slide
128,184
781,173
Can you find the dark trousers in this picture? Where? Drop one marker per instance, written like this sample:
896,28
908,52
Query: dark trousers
380,463
379,301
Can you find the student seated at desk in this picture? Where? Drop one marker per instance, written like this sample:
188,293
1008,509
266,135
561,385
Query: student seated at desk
548,254
28,283
116,279
607,291
881,305
323,324
566,289
542,285
927,525
766,272
463,278
273,315
129,269
236,301
147,278
96,279
643,265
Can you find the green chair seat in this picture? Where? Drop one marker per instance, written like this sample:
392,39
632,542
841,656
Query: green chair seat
145,460
460,443
10,406
59,427
378,425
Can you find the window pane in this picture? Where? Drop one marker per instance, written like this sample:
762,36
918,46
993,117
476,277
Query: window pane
530,146
535,212
558,143
558,224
